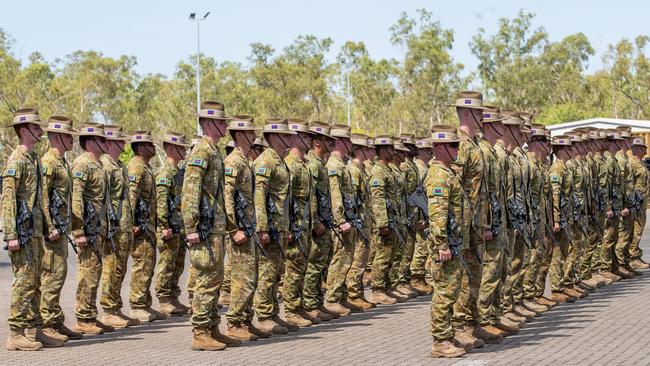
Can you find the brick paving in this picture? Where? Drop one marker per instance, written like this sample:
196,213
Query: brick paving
607,328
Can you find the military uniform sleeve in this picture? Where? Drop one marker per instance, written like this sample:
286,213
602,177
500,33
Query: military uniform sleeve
628,176
163,182
313,171
438,194
555,175
48,184
135,181
376,185
79,180
262,173
10,183
231,177
336,195
195,169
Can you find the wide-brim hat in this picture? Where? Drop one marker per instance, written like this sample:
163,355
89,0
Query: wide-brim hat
175,138
25,116
513,120
277,125
92,129
340,131
538,131
384,140
561,141
397,142
115,133
469,99
259,141
407,138
359,139
213,110
242,123
299,125
423,143
141,136
320,128
60,124
491,113
638,141
441,134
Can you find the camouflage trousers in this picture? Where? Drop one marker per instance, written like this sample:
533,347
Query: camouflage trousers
54,269
208,276
114,266
447,281
225,286
381,265
343,251
505,305
560,252
639,225
570,265
609,242
265,299
295,267
511,291
354,279
588,259
489,293
243,268
143,254
25,294
312,293
466,307
547,256
171,263
529,278
625,233
401,270
89,274
420,255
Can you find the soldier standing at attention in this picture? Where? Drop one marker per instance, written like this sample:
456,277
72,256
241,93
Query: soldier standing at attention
626,226
88,217
21,200
271,192
401,217
169,222
57,190
343,249
446,213
119,225
204,219
421,251
641,185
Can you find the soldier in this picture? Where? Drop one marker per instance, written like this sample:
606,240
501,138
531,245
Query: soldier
204,215
421,251
341,191
446,213
271,192
401,217
313,299
356,297
21,211
238,200
57,190
259,145
88,217
118,230
368,165
300,214
170,237
142,198
641,186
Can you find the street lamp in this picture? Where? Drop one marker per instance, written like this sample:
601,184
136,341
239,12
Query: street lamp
198,64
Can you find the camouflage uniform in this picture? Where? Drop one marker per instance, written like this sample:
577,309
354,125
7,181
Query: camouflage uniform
614,203
626,225
88,185
371,252
239,177
595,217
382,185
22,182
412,180
538,218
547,217
641,184
445,195
400,204
562,184
340,184
54,263
360,257
421,250
204,180
502,303
271,178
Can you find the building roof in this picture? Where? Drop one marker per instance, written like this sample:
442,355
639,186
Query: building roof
637,125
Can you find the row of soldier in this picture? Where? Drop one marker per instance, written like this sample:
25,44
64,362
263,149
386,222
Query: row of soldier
308,207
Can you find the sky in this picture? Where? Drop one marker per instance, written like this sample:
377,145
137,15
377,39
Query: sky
159,34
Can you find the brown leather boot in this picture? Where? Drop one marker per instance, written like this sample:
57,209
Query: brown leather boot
602,279
610,275
290,327
636,272
142,315
313,319
255,330
590,282
297,320
168,308
203,341
267,325
574,293
105,327
420,286
317,314
535,307
545,301
240,332
132,321
353,308
71,334
397,295
406,290
16,341
361,303
561,297
446,349
157,314
46,340
380,297
488,334
216,334
639,264
52,332
583,287
324,310
464,339
88,327
522,311
335,307
516,318
184,308
507,325
623,272
111,318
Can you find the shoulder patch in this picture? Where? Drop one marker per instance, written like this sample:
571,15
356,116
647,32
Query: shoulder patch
332,172
437,191
10,172
45,170
79,175
132,178
375,183
162,181
198,162
555,178
228,172
261,171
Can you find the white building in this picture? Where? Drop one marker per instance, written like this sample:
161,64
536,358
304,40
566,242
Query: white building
637,125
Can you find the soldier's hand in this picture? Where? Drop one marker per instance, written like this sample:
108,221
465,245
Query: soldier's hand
193,238
444,254
239,237
81,241
345,227
556,227
384,231
13,245
319,229
625,212
54,235
609,214
422,225
487,234
136,230
264,237
290,237
167,234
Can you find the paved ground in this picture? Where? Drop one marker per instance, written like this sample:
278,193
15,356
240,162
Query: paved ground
607,328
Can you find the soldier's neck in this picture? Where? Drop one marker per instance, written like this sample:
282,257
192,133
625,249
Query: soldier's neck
297,152
27,146
172,161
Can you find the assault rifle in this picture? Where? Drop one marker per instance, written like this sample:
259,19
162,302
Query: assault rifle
392,220
455,242
244,224
495,209
92,225
518,218
142,217
351,213
418,199
24,228
271,210
324,212
206,221
55,212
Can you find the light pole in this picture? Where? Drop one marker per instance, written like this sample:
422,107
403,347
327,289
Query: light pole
198,64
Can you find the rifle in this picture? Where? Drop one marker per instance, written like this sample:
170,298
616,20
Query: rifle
577,214
55,212
142,217
418,199
495,208
324,211
297,231
519,219
455,243
206,221
351,213
271,209
92,226
113,223
24,228
174,217
241,203
392,219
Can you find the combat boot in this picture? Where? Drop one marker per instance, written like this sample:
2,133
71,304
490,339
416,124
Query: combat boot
397,295
71,334
522,311
54,333
335,307
490,328
267,325
352,306
224,298
602,279
561,297
583,287
220,337
316,314
297,320
406,290
240,332
507,325
639,264
157,314
132,321
516,318
488,334
46,340
610,275
18,342
324,310
168,308
88,327
446,349
105,327
202,341
624,273
420,286
290,327
178,305
142,315
535,307
313,320
590,282
111,318
253,329
466,340
574,293
636,272
360,303
545,301
380,297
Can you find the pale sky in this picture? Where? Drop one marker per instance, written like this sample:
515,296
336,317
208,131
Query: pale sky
159,33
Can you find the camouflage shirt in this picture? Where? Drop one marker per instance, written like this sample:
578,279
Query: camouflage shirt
142,186
56,177
271,178
167,188
445,198
382,185
301,189
340,184
320,182
118,177
88,185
